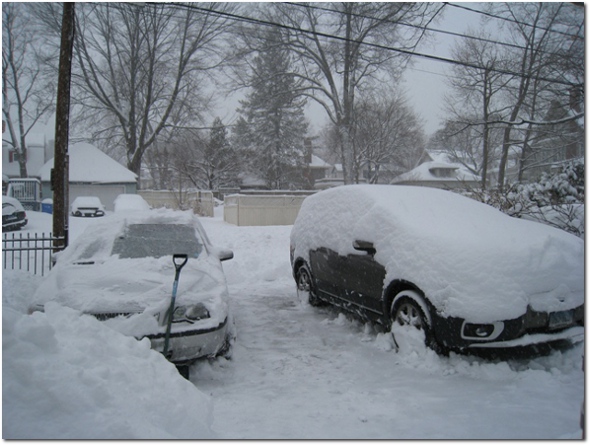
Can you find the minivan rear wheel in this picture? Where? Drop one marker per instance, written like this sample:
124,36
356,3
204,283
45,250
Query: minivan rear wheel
305,287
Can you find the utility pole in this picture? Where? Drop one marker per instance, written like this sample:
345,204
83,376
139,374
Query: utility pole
60,174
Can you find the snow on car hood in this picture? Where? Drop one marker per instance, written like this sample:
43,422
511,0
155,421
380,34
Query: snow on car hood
123,285
470,260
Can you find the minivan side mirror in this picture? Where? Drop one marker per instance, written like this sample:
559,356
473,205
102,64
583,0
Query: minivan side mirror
364,246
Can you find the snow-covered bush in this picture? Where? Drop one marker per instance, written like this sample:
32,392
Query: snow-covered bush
557,199
563,187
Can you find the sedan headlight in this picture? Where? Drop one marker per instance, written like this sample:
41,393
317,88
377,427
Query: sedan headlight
190,313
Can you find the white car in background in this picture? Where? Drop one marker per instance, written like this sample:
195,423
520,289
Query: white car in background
130,203
14,216
121,271
87,206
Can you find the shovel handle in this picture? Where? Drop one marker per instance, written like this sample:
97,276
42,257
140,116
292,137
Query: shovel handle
176,259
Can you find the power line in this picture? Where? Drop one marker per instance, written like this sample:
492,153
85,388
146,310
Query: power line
262,22
411,25
507,19
427,28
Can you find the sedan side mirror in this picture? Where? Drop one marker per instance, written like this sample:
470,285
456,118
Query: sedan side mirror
364,246
224,254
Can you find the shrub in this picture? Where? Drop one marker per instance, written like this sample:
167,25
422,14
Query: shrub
557,199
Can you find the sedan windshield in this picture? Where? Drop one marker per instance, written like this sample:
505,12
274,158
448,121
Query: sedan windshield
157,240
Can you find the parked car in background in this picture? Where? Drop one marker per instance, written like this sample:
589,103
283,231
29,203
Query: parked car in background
462,272
87,206
129,202
14,216
121,271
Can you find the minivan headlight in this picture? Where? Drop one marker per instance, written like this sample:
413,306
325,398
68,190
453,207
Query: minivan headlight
482,331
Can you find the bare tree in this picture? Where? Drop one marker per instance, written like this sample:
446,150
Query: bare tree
205,161
474,102
27,89
142,68
536,29
386,132
342,48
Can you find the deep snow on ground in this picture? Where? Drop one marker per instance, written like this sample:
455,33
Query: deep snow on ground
297,372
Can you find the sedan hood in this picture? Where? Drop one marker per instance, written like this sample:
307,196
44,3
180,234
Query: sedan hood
132,286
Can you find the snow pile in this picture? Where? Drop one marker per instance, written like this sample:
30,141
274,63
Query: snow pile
70,377
471,260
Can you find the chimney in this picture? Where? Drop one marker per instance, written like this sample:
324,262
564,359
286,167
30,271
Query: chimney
308,150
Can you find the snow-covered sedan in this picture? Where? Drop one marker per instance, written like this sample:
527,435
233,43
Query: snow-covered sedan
128,202
462,272
121,271
14,216
88,206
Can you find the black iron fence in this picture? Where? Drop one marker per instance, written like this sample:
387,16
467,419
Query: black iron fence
31,253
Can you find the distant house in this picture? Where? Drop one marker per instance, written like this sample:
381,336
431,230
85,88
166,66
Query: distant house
301,177
558,143
439,175
334,176
39,151
92,173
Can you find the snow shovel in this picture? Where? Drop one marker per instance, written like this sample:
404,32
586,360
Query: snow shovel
179,260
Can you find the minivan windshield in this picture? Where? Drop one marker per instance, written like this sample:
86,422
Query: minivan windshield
157,240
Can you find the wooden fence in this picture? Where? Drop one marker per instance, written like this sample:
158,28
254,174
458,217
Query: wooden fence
200,202
262,210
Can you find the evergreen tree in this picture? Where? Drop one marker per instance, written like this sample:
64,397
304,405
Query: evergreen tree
219,158
275,115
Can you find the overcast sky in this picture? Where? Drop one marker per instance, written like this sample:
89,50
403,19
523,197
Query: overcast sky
424,83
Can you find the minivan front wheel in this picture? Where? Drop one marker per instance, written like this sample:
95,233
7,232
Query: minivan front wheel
305,288
409,309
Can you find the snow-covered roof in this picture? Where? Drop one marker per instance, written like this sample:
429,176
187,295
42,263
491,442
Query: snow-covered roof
429,171
318,162
89,164
249,180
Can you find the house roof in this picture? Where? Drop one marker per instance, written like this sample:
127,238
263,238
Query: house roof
426,172
89,164
317,162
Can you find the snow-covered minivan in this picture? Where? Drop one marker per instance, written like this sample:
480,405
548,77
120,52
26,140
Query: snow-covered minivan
462,272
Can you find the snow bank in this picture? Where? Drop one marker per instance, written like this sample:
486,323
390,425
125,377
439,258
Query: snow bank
67,376
471,260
